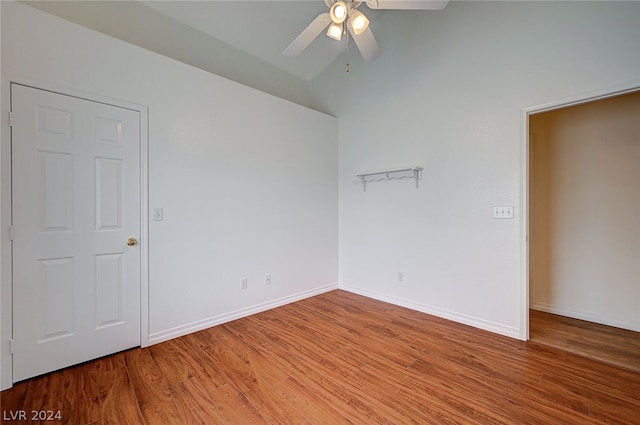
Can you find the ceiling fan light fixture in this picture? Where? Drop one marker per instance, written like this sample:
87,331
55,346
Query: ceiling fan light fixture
335,31
359,22
338,12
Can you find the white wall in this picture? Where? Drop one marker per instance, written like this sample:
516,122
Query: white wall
448,94
585,211
248,182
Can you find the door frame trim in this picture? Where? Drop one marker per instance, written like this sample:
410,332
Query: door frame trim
6,257
600,94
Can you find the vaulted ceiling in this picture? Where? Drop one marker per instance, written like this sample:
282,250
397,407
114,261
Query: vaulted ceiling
262,29
238,39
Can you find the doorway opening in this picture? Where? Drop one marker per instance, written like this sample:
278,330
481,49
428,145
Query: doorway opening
583,227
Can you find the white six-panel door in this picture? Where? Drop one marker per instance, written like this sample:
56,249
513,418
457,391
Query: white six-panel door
76,203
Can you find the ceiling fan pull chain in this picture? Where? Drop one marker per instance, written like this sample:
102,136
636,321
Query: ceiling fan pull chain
348,67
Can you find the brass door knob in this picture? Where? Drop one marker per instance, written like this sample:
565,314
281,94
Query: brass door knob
131,241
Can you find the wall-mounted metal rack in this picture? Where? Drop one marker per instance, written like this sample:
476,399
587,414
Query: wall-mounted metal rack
398,173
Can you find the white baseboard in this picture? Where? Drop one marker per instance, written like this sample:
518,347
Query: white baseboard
589,317
435,311
199,325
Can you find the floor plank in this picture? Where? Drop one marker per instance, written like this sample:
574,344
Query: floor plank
619,347
338,358
119,404
235,406
195,405
151,389
13,400
78,394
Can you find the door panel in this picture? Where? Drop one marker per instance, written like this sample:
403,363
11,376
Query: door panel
109,286
108,194
55,298
76,201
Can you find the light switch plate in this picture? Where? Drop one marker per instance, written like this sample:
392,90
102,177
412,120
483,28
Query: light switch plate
502,212
158,214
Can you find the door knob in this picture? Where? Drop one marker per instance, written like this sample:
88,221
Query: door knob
131,241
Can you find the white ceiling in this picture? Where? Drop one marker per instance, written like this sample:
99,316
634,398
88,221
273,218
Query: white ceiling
241,40
261,29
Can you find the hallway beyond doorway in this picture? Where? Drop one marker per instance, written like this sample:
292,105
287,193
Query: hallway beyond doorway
619,347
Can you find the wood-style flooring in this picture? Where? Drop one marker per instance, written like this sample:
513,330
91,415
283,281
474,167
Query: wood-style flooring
337,358
619,347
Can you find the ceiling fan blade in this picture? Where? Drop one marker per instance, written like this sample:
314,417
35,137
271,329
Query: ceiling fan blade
329,3
366,43
407,4
306,37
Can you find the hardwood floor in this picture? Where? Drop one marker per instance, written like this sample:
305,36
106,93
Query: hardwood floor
615,346
337,358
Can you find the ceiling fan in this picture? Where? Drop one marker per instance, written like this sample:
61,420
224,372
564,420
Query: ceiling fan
344,16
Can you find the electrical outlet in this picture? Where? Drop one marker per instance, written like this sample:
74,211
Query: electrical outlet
243,283
267,279
502,212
